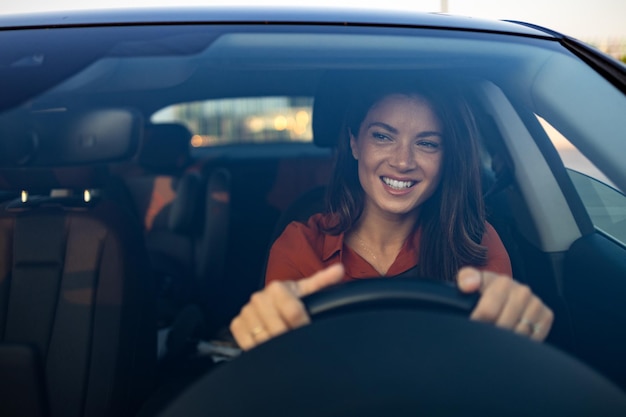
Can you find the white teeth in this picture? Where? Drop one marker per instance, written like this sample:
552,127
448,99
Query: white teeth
399,185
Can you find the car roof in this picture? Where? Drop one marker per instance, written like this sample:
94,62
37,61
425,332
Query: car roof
268,14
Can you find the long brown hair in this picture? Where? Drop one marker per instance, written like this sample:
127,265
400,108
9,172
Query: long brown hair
453,218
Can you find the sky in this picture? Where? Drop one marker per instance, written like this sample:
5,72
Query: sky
583,19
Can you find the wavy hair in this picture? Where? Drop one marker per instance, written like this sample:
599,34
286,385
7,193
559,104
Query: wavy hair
453,218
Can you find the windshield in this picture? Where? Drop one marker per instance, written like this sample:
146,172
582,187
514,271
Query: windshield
238,84
454,147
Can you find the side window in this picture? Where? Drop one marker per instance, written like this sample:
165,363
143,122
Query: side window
605,204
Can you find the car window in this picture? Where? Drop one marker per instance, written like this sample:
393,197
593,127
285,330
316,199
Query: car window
572,158
605,204
243,120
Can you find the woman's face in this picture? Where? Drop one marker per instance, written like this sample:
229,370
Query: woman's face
399,149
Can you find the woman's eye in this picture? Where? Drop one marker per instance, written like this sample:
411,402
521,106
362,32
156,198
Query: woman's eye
428,145
380,137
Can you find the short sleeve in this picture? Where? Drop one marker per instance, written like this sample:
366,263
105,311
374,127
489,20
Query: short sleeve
297,253
282,262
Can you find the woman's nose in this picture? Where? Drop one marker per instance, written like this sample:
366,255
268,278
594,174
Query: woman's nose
403,158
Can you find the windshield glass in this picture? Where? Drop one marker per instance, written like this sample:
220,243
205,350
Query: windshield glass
256,84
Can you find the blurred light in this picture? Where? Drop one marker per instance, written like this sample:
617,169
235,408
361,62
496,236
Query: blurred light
197,141
299,129
87,196
256,124
302,121
280,123
302,117
200,141
24,196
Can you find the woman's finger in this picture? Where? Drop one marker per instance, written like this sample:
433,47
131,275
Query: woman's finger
242,335
507,303
266,320
324,278
269,313
495,291
516,305
535,321
469,279
288,305
253,323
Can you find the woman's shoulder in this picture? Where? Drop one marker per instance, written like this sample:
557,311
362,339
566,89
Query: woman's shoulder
490,233
310,231
299,250
490,236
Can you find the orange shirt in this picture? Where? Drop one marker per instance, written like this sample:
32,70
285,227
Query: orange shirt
304,249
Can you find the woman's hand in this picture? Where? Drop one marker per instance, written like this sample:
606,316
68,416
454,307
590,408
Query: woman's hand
507,303
277,308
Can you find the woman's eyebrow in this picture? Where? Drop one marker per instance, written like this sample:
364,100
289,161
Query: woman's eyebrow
393,130
429,134
384,126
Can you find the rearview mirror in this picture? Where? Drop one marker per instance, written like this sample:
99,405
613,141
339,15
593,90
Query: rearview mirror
58,137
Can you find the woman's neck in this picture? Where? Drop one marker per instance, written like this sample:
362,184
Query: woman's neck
384,230
379,237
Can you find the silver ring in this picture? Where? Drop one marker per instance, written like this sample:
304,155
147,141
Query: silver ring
534,327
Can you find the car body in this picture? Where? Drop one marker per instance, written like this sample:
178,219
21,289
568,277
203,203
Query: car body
205,127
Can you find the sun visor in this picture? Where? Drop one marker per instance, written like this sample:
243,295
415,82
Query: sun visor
58,137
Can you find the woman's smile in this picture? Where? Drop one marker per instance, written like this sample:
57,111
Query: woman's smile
398,184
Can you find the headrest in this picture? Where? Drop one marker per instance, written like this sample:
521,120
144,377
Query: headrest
165,148
42,180
329,107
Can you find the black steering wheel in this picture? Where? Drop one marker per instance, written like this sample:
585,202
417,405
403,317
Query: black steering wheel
394,347
377,293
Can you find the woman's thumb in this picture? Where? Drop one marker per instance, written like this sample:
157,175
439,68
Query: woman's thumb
322,279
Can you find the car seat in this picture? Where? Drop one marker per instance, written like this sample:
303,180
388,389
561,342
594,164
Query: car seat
76,294
76,291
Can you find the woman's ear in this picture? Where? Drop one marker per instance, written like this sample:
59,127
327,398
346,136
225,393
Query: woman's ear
353,146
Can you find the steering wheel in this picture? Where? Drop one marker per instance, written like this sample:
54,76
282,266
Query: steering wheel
396,347
376,293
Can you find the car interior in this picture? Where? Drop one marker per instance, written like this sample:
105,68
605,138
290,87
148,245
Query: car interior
125,247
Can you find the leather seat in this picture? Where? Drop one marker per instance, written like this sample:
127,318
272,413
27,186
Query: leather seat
76,289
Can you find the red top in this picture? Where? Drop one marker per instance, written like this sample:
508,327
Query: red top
304,249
